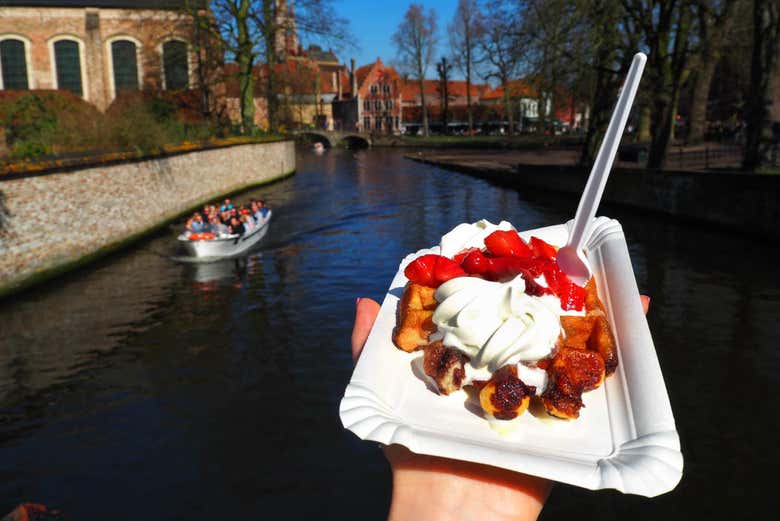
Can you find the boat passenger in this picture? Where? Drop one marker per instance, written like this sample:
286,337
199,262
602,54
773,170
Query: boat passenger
236,227
263,208
227,205
216,227
248,223
195,224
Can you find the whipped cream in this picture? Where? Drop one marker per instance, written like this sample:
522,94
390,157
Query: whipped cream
469,236
495,323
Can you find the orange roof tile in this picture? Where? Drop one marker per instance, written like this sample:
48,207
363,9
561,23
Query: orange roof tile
517,88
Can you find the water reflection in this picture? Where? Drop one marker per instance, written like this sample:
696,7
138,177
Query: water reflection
131,387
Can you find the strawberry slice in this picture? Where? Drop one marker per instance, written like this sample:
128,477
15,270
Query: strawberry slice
476,263
533,288
420,270
554,276
572,296
542,249
460,257
446,269
432,270
507,243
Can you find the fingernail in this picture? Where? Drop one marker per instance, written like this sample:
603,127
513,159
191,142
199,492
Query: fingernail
357,301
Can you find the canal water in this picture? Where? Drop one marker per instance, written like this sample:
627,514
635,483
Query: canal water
145,388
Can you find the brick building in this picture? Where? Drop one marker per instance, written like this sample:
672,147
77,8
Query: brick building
97,48
371,101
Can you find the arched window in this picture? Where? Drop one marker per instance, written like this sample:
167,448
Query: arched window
67,63
13,64
124,61
175,66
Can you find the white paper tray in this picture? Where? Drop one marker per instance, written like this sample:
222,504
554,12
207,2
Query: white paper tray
625,437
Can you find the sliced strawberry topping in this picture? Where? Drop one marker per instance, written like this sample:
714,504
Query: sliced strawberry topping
465,253
432,270
533,288
542,249
420,270
446,269
476,263
507,244
572,296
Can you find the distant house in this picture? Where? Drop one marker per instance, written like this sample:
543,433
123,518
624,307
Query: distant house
98,48
457,100
379,98
372,102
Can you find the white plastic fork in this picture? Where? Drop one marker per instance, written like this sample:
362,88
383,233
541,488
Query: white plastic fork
571,257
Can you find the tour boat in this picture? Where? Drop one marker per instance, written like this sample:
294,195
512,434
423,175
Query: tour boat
224,245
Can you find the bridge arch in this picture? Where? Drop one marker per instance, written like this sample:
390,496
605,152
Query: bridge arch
354,141
310,137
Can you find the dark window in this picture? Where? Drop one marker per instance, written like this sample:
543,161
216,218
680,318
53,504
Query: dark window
125,62
177,74
366,123
68,64
14,64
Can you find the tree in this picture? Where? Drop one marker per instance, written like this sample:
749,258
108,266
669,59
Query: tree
766,44
252,31
444,68
714,20
465,31
666,26
415,40
608,53
553,31
500,47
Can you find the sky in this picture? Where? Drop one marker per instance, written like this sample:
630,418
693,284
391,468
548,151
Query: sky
373,23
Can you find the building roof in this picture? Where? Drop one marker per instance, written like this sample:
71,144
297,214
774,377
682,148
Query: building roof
377,70
116,4
410,90
517,89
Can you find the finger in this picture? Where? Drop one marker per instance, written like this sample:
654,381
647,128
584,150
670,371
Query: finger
366,311
645,302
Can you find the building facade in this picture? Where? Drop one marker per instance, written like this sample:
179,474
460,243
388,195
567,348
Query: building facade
96,49
377,94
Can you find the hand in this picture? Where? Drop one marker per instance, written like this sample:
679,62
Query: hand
434,488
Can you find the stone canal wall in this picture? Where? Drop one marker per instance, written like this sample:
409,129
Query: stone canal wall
741,202
53,222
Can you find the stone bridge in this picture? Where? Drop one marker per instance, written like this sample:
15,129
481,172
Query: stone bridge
334,138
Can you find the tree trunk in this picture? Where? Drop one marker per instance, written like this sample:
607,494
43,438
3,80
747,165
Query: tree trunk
643,125
599,116
272,101
424,107
700,95
246,79
469,115
508,107
766,33
669,71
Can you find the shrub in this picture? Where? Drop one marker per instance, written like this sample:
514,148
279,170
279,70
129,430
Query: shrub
40,123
